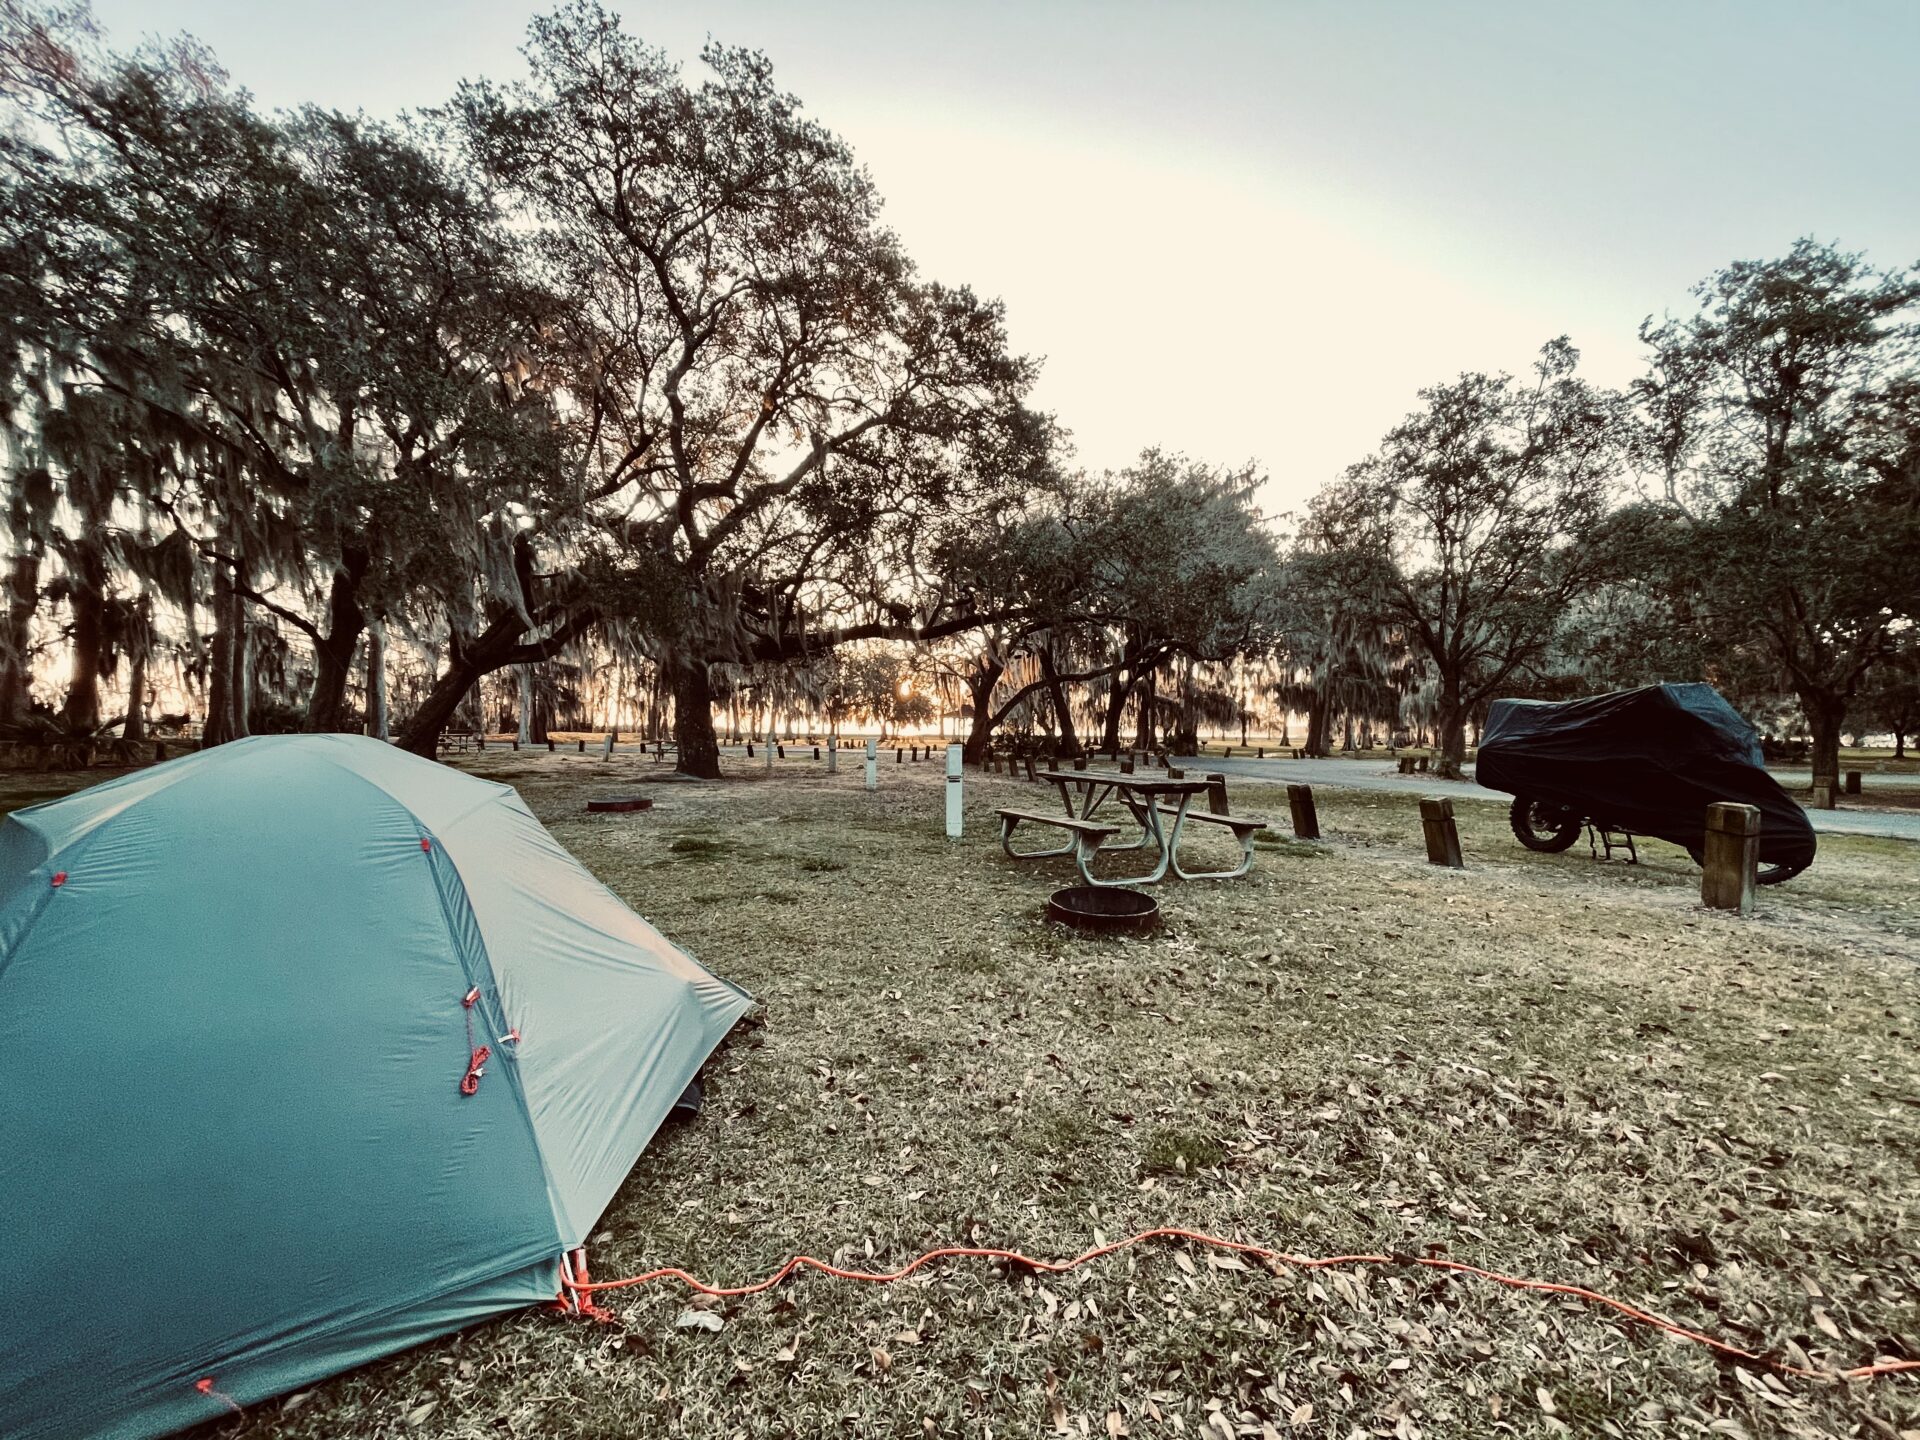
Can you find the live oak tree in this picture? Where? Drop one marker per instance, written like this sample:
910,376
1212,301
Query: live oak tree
1477,507
765,401
1788,407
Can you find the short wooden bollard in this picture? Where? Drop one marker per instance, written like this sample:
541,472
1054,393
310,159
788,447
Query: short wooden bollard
1174,772
749,749
1306,819
1853,782
1261,754
1217,793
1443,840
1080,763
816,752
549,745
899,756
583,747
781,751
1732,857
1126,765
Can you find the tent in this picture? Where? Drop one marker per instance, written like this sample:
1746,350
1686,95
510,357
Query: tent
248,1134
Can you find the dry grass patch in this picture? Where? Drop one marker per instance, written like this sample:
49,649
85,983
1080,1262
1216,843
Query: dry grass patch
1545,1065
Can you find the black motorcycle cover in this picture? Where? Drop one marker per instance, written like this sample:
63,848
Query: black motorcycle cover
1648,760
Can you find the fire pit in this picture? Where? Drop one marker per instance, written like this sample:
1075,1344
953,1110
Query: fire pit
1104,908
620,802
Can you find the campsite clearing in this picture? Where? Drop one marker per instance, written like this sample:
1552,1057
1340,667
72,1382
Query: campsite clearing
1541,1064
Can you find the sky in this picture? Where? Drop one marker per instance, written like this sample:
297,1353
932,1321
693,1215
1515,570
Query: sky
1253,231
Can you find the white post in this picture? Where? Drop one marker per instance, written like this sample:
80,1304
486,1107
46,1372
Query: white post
833,754
606,752
953,791
873,764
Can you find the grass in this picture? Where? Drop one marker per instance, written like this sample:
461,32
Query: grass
1543,1064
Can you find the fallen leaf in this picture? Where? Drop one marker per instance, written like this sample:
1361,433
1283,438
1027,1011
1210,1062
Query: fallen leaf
1545,1397
1180,1259
691,1319
1302,1414
417,1416
1116,1424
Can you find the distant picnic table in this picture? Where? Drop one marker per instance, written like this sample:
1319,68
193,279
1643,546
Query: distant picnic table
1152,801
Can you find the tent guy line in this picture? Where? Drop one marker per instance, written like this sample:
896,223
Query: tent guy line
583,1291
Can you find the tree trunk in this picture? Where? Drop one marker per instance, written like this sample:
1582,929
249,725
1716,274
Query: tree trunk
1144,734
377,679
496,647
1116,706
335,652
693,734
1826,712
220,700
134,729
980,735
1450,734
1346,739
1316,725
1069,741
16,668
1899,743
88,642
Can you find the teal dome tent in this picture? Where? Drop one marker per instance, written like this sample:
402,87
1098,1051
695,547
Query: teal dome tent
310,1050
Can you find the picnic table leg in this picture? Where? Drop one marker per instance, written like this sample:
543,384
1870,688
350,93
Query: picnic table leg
1246,864
1166,842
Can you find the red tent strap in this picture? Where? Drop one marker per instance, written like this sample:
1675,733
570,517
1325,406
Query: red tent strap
476,1066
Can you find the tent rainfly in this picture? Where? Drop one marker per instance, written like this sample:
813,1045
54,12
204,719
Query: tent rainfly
310,1050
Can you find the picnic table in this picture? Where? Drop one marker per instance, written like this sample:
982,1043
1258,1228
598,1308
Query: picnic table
1153,801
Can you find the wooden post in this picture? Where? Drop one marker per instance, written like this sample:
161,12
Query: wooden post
1079,762
1443,840
953,792
873,764
549,745
1732,857
1261,754
1126,763
1306,819
781,751
1853,782
583,746
749,749
1174,772
1216,793
816,752
899,755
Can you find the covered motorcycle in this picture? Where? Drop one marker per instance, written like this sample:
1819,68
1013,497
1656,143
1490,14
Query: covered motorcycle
1647,761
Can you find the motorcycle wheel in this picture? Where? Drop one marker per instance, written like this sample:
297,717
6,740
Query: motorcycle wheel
1765,874
1542,826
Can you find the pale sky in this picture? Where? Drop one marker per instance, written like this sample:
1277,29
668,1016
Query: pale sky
1254,230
